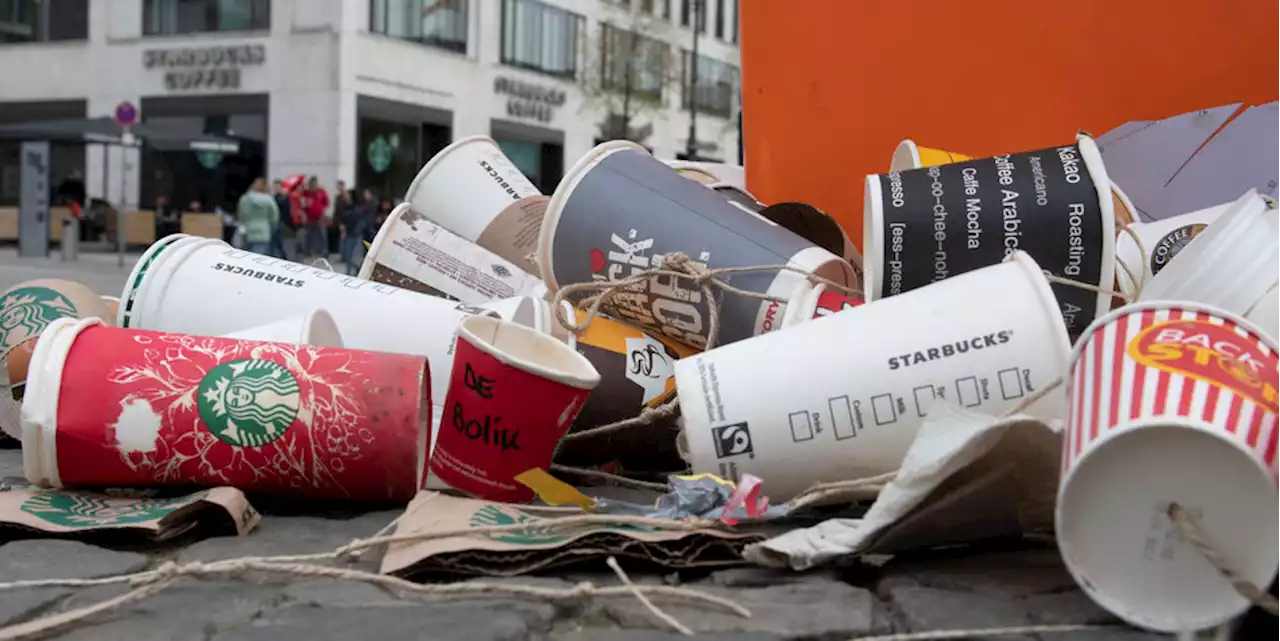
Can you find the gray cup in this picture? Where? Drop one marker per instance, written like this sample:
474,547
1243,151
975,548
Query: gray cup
619,211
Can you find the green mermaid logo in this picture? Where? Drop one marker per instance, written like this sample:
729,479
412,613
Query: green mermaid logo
494,515
26,311
249,402
87,510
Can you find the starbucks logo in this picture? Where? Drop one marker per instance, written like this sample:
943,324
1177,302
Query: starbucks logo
26,311
492,515
248,403
82,511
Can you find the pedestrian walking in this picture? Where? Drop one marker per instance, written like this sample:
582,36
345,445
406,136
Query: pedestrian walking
355,221
259,216
315,205
281,196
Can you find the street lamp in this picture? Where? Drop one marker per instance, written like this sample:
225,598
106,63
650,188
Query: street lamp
691,145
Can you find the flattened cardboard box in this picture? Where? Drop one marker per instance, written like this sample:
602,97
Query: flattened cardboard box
540,547
63,514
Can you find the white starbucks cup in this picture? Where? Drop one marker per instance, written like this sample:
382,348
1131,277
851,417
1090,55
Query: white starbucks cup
619,211
924,225
206,287
413,253
1161,241
317,328
1169,402
472,189
1230,265
843,397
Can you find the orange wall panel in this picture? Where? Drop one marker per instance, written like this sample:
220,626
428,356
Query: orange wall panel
831,86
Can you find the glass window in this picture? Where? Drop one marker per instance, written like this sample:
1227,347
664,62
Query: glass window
717,86
720,19
684,12
389,156
47,21
540,37
737,8
439,23
666,9
172,17
632,62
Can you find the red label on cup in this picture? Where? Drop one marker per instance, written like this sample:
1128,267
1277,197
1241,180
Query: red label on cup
1211,353
499,421
831,302
150,408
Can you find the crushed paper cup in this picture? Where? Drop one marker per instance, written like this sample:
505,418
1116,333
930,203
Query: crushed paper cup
619,211
925,225
1169,402
472,189
818,227
842,397
126,519
1161,241
317,328
414,253
1230,265
514,392
111,407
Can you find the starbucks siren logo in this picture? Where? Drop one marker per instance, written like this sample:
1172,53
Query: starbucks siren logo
248,403
26,311
495,516
80,510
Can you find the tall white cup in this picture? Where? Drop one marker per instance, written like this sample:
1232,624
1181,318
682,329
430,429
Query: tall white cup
842,397
472,189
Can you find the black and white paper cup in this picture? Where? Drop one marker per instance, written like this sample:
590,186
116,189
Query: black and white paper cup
619,211
925,225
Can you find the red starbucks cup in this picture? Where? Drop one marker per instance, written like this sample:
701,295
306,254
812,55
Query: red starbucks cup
513,394
120,407
1169,402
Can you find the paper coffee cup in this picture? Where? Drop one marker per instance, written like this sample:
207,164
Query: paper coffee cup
809,301
25,310
842,397
710,173
110,407
1161,241
1169,402
817,227
924,225
618,211
514,393
317,328
636,372
414,253
472,189
1266,314
910,156
1230,265
206,287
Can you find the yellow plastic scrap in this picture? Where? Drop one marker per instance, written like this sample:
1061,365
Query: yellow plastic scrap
553,491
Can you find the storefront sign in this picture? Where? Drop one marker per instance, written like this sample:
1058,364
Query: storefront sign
190,68
527,100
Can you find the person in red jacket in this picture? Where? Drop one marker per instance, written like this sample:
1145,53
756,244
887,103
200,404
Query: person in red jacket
315,203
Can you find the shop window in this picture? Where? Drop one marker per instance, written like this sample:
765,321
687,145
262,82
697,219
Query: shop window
632,62
43,21
717,86
720,19
540,37
541,162
173,17
439,23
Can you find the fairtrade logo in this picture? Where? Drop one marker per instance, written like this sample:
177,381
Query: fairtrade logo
649,366
1172,243
26,311
494,516
1211,353
501,271
732,440
83,511
249,402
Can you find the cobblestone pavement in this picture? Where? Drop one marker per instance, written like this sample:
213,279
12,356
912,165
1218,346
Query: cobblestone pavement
974,590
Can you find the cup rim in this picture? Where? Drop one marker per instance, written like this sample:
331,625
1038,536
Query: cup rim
588,378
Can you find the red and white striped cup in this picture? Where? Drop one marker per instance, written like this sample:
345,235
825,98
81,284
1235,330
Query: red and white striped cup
1169,402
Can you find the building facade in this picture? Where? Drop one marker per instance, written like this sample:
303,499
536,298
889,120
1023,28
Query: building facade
363,91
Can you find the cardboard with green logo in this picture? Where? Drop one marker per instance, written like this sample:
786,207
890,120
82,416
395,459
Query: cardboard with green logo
541,545
75,514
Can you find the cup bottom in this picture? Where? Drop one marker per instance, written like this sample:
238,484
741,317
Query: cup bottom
1122,548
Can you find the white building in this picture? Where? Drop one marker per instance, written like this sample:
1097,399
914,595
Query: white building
363,91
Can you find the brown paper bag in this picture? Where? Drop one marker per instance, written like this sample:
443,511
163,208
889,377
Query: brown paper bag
61,514
539,547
